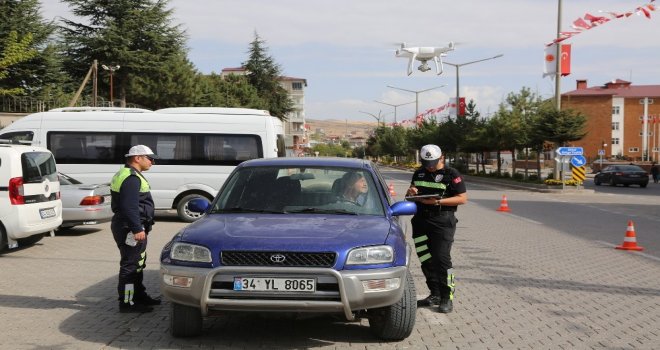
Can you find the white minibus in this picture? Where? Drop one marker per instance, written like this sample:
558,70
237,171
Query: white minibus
198,146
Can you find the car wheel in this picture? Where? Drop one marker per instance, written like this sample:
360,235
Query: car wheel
643,185
185,321
182,208
597,182
3,239
395,322
28,241
612,182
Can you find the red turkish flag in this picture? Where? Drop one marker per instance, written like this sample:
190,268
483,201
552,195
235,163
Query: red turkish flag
565,60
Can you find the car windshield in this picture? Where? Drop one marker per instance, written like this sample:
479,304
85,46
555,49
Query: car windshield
286,190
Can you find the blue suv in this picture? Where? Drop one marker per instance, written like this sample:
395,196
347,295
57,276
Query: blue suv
316,235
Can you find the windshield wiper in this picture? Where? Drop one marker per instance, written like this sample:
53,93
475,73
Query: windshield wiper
248,210
324,211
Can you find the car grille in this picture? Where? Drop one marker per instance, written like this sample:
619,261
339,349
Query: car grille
292,259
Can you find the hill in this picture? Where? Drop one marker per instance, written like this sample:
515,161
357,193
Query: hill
333,127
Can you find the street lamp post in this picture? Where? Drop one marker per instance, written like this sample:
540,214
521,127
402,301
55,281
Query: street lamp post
416,92
377,117
395,106
111,69
458,66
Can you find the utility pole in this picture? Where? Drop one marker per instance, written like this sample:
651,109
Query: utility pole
395,106
111,69
416,92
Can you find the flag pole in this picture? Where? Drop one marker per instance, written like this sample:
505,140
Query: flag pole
558,60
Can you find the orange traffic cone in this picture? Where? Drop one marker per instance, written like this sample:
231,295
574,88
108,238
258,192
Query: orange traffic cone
504,206
391,188
630,241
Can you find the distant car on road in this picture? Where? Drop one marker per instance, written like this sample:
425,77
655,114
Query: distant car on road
622,174
295,235
84,204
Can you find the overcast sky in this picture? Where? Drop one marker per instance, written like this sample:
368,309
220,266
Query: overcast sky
345,48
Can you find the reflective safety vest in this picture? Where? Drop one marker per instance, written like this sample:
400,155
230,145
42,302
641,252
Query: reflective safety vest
124,173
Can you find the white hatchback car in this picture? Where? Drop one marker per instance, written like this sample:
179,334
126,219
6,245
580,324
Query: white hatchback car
30,202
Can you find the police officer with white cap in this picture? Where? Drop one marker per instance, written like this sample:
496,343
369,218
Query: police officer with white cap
434,224
133,207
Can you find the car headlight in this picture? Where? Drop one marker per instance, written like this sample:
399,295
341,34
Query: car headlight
190,252
380,254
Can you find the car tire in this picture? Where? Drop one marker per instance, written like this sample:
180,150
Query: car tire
3,239
182,208
395,322
643,185
597,182
612,182
185,321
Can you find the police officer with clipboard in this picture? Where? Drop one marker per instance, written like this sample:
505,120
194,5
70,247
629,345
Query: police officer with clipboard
438,190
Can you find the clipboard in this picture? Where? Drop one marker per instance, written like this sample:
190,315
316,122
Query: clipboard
422,196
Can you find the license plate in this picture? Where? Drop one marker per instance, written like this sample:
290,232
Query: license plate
47,213
271,284
633,175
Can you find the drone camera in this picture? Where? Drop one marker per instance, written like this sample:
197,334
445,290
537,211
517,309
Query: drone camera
424,67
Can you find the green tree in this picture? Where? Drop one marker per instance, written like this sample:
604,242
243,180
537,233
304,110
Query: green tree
14,52
40,75
228,91
561,127
137,35
263,73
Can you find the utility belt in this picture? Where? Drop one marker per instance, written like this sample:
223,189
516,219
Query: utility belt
427,210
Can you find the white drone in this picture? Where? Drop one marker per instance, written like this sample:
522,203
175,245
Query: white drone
424,54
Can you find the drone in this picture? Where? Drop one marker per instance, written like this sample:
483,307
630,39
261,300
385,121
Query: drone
424,54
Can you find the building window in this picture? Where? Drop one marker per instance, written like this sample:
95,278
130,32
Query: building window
615,125
633,149
615,140
616,110
649,133
296,85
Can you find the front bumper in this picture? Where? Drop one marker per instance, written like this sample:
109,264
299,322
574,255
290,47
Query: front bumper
337,291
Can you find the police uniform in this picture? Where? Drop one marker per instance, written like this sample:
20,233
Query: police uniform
133,209
434,227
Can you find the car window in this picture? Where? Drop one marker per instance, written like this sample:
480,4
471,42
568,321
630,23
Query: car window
38,166
629,168
18,136
330,190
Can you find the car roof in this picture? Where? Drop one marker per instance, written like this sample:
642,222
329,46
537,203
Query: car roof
309,162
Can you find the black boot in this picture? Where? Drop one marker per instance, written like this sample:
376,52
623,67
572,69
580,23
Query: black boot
145,299
446,306
431,300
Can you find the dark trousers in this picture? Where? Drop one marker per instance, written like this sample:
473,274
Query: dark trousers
433,234
131,266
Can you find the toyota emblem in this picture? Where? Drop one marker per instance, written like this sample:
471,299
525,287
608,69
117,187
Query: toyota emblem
277,258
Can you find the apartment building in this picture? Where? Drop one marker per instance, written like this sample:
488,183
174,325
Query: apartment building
614,114
294,126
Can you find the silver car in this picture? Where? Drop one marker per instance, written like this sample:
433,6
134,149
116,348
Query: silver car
84,204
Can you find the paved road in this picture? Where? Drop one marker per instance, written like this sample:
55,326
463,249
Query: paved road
521,284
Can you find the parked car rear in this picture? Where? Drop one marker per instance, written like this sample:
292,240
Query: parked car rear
84,204
29,195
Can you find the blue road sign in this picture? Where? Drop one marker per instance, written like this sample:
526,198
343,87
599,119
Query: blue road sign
578,161
570,151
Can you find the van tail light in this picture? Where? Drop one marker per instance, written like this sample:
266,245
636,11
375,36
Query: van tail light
16,191
92,200
58,196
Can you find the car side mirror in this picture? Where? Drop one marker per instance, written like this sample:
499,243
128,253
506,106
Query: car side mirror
404,208
199,205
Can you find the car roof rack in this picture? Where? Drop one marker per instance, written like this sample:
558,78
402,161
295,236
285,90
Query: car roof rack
101,109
